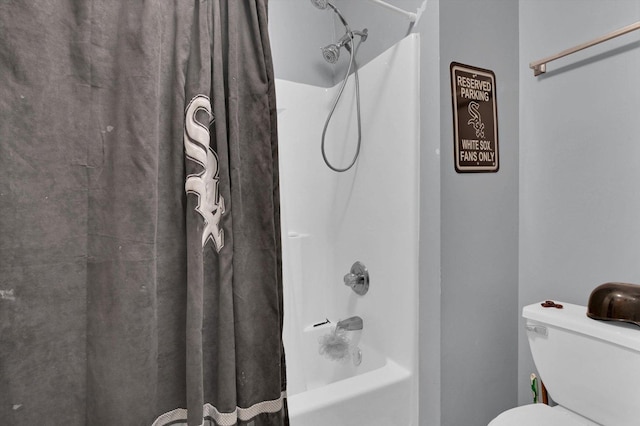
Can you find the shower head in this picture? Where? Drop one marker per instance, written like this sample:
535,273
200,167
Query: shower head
331,53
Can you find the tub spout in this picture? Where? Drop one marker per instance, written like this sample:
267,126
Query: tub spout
350,324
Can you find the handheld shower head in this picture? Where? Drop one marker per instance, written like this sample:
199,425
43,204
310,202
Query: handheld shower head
320,4
324,4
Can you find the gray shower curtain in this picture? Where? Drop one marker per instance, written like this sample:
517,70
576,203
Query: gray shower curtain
140,261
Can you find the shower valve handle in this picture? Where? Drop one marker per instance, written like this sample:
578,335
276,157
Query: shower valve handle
353,280
358,279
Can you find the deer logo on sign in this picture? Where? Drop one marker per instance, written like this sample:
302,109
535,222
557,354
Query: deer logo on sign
205,185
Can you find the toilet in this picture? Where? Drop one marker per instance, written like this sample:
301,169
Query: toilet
590,368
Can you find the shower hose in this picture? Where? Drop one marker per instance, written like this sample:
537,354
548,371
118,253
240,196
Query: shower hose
352,53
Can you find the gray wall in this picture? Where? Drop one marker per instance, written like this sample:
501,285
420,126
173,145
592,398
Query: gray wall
469,223
430,290
297,31
479,224
579,174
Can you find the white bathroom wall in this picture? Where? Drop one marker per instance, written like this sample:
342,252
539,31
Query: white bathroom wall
385,28
579,174
369,213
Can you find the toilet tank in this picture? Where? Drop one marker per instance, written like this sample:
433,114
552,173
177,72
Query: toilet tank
588,366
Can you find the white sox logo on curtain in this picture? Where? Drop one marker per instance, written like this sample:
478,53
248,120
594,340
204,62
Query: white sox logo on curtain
205,185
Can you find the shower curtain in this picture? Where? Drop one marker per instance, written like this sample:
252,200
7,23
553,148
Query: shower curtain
140,260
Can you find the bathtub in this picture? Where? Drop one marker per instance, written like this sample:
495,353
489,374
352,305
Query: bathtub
331,220
374,392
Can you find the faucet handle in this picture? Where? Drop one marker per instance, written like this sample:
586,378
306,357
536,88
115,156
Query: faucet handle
353,279
358,279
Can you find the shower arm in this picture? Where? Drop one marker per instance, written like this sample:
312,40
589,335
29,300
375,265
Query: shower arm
409,15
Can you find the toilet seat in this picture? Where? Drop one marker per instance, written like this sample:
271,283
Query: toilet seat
538,415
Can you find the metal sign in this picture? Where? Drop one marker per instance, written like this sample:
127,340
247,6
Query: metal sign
475,119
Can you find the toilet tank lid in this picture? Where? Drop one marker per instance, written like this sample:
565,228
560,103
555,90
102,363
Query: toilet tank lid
574,318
